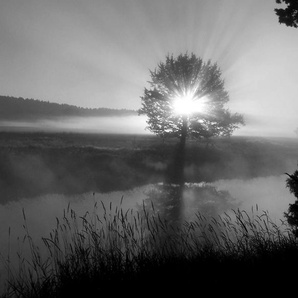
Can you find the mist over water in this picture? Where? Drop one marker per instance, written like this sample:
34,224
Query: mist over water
126,124
269,193
261,126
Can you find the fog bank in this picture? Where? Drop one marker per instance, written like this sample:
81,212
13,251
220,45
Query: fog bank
269,193
125,125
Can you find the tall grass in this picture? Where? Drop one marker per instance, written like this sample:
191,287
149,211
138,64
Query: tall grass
127,251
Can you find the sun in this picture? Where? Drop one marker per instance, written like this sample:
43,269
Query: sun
188,104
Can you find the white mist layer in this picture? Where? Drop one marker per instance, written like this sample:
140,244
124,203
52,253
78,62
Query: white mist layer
269,193
122,125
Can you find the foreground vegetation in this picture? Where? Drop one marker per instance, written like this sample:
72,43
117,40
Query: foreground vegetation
132,252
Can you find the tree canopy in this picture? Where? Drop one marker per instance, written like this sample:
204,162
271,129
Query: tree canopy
288,15
186,98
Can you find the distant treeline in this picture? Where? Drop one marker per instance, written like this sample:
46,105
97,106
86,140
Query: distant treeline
12,108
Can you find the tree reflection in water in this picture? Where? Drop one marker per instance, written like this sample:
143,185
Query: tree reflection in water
176,203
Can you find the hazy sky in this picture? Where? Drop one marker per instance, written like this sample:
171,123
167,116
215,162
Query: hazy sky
97,53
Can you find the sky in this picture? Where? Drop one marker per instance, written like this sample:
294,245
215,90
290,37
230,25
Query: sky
98,53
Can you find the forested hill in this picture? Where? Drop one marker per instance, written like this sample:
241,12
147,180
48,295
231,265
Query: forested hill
12,108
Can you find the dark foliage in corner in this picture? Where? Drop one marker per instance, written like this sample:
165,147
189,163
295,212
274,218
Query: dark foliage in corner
288,15
292,214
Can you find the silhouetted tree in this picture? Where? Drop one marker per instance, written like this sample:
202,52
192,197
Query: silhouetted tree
288,15
190,80
292,214
186,99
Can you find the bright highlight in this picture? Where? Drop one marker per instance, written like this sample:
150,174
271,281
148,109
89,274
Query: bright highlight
188,104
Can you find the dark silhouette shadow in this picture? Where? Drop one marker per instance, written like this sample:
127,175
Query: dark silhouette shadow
175,170
174,183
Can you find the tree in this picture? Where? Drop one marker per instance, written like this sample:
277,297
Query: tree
186,99
292,214
288,15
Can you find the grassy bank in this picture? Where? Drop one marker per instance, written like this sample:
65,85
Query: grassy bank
132,252
34,164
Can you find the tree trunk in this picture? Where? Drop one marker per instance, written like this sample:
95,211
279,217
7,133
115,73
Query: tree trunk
179,174
180,155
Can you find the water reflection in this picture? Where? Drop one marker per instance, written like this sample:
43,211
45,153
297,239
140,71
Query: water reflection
178,203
